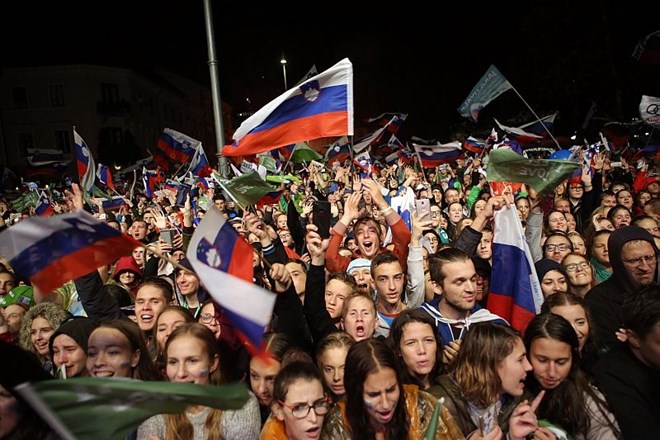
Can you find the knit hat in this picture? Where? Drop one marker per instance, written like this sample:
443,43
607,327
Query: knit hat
545,265
358,263
78,328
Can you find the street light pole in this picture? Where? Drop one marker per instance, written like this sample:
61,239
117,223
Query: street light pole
283,61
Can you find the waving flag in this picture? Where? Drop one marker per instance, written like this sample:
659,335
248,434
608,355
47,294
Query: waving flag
489,87
177,146
338,151
431,156
321,107
73,407
474,145
393,121
514,291
51,251
365,164
43,208
223,261
648,110
113,203
85,162
247,189
199,165
105,176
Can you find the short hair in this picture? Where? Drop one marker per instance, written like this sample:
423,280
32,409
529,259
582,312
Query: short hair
641,310
339,339
442,257
345,278
605,193
483,348
366,219
299,262
616,208
557,234
297,370
384,258
351,297
165,286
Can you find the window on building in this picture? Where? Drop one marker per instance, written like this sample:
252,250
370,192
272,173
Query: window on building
56,95
110,93
24,140
63,140
19,94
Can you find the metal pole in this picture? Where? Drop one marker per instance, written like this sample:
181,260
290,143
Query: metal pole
283,61
215,91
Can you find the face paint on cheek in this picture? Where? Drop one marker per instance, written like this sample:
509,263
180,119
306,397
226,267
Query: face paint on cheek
368,404
126,363
203,373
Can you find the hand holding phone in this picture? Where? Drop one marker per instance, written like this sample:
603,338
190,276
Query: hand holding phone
423,207
167,235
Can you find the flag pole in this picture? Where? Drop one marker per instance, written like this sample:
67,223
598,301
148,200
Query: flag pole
535,115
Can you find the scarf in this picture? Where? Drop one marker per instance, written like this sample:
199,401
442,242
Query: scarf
600,272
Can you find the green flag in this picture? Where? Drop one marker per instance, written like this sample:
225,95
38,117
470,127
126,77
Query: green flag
27,200
541,174
267,161
302,153
283,179
247,189
90,408
433,424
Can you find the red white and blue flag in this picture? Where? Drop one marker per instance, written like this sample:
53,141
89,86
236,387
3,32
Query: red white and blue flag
43,208
177,146
320,107
338,151
393,121
199,165
475,145
431,156
85,163
105,176
514,291
51,251
223,261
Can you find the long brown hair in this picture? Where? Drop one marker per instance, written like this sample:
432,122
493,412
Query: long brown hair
178,426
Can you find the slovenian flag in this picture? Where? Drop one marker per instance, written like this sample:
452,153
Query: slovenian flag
430,156
515,291
51,251
223,261
105,176
177,146
85,163
320,107
199,165
43,208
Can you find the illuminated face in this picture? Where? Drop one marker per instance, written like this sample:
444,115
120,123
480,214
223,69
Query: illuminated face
281,222
286,237
480,206
599,249
551,361
576,315
557,221
302,393
608,200
188,361
262,378
166,323
208,318
580,273
298,276
109,354
485,248
149,302
455,212
40,333
578,244
459,286
556,248
640,261
452,196
14,316
336,292
139,230
187,282
563,205
367,235
67,352
6,282
138,255
570,222
381,395
389,279
332,363
575,191
625,198
435,215
621,218
127,278
650,225
418,349
553,282
513,370
360,318
433,241
523,207
363,279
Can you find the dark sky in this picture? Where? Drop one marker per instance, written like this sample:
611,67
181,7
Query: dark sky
421,58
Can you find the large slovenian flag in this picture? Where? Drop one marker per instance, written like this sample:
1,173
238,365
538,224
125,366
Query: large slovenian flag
177,146
320,107
85,163
515,291
50,251
223,261
431,156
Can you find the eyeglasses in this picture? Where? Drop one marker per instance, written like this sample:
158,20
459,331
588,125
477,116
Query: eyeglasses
435,213
576,188
574,266
557,247
206,318
639,260
300,411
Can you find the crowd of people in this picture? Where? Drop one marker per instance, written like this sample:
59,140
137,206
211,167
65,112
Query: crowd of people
377,320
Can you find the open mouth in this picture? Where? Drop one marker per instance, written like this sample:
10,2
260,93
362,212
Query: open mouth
314,432
359,331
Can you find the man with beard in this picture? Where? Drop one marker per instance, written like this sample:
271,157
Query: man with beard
367,231
633,257
455,306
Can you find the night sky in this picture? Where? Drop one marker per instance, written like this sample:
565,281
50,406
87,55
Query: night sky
560,55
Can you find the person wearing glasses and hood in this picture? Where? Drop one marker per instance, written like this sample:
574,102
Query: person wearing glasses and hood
633,257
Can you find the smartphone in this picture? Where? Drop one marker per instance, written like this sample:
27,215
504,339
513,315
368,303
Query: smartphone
423,207
167,235
321,217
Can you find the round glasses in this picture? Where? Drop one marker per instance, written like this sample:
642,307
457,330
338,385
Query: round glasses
300,411
574,266
206,318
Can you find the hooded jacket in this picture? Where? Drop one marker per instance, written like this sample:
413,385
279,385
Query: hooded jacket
605,300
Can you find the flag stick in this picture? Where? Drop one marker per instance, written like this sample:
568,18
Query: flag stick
162,256
536,116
